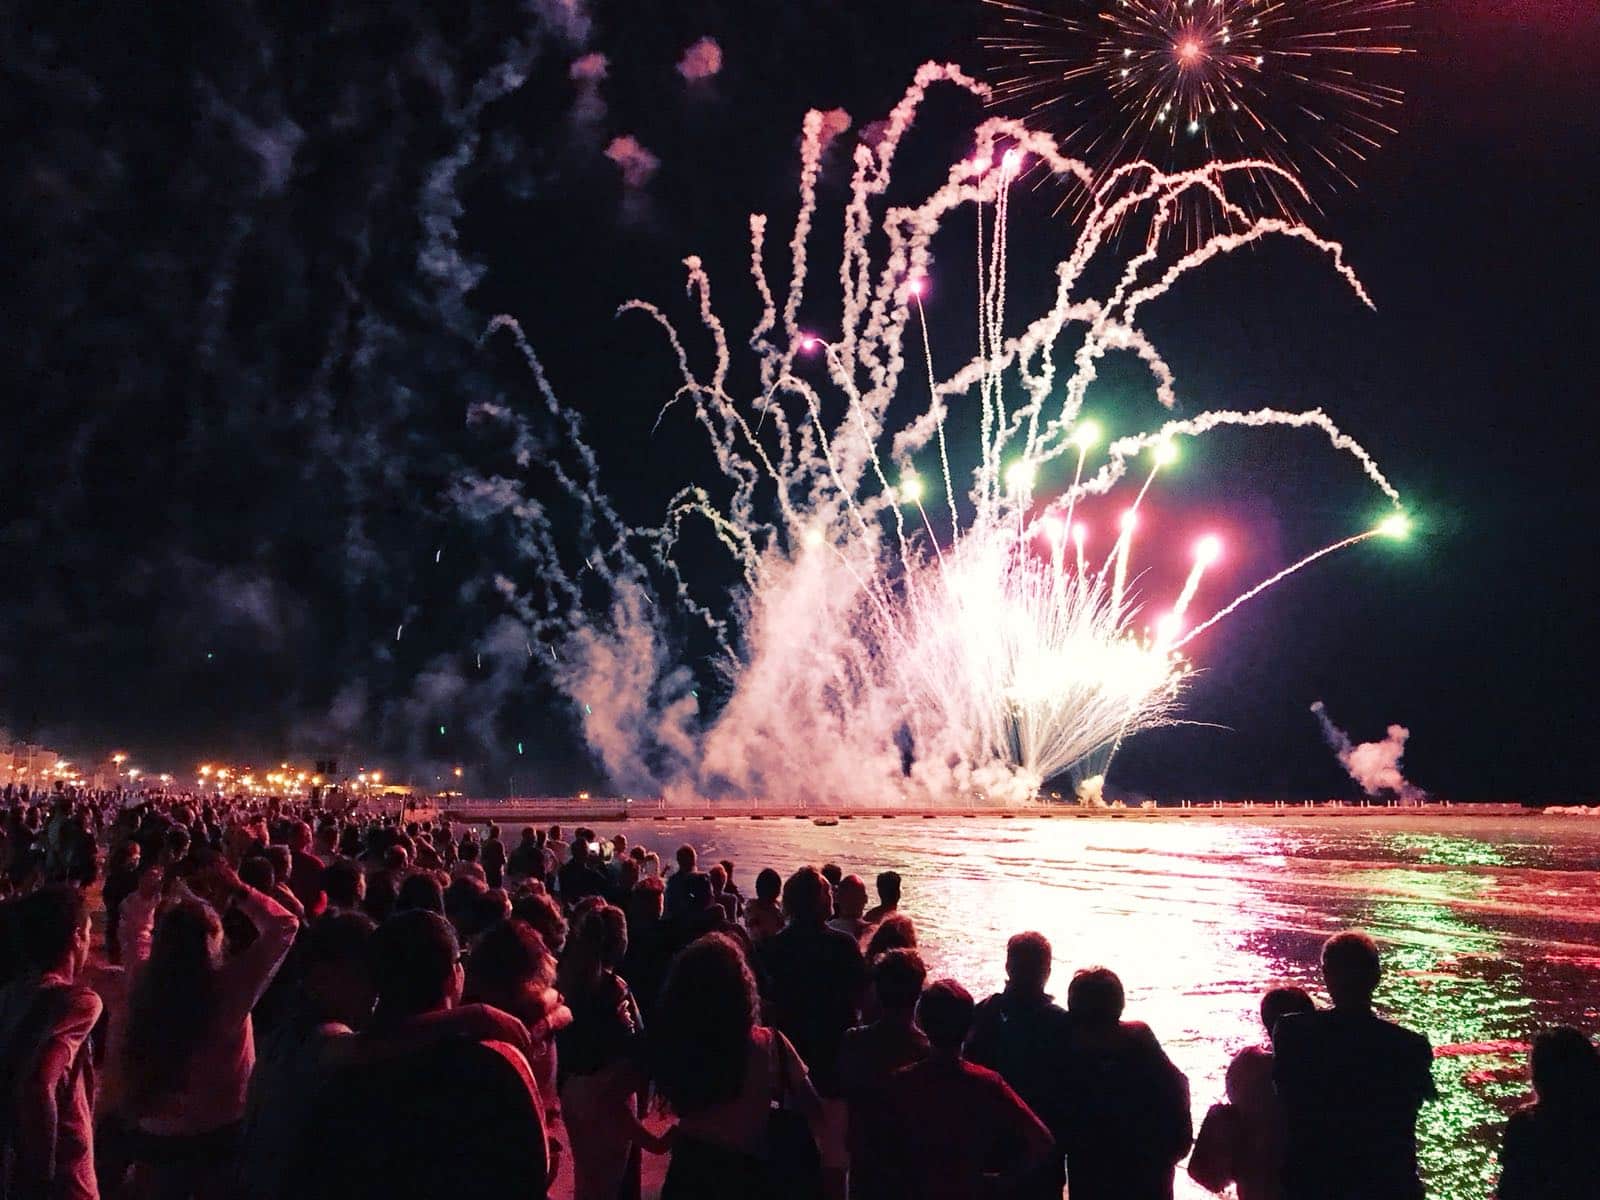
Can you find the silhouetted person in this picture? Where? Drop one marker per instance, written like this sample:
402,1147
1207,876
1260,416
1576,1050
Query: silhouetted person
814,978
719,1071
1127,1122
581,878
945,1121
888,884
849,902
527,860
763,916
1351,1085
1241,1141
493,858
679,879
1551,1149
1023,1034
870,1054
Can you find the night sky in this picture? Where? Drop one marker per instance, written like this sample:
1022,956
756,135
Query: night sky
251,257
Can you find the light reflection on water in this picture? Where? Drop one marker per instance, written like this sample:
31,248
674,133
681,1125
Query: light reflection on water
1491,927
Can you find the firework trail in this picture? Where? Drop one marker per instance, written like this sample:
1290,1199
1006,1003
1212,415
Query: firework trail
870,659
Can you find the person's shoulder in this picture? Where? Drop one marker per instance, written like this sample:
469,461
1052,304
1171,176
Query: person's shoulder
1403,1039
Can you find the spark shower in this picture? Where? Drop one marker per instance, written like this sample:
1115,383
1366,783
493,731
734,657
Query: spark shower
904,631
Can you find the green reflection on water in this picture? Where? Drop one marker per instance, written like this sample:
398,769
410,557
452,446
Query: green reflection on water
1445,976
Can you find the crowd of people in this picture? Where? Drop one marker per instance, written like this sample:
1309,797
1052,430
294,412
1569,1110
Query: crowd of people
207,997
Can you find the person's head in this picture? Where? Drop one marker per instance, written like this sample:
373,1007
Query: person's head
1566,1070
416,964
1095,997
299,837
173,1005
580,847
53,930
833,873
282,860
511,968
420,890
257,872
945,1013
897,979
336,966
1028,963
176,844
646,901
543,913
894,932
769,885
850,898
396,858
469,848
596,944
555,833
461,902
494,832
627,874
1350,968
807,898
707,1009
619,845
530,836
152,877
1280,1002
637,854
717,877
888,884
686,859
344,884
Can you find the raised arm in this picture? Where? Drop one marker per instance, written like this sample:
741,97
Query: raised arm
245,977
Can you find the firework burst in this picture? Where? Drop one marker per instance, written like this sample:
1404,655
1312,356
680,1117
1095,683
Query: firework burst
1299,83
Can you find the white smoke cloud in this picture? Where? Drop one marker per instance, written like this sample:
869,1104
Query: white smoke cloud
635,162
703,60
1373,765
591,68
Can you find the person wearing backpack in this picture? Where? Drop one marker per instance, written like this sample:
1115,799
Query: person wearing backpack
46,1062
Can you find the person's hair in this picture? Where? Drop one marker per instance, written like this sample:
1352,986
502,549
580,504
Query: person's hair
46,921
894,932
833,873
645,899
1028,958
807,898
414,961
396,858
256,870
342,881
718,876
555,832
686,857
176,842
530,834
1566,1070
491,906
173,1007
888,884
897,978
598,940
542,911
700,1032
769,884
382,892
469,848
850,898
1350,965
1279,1002
945,1014
421,890
336,939
461,900
506,958
1095,995
494,832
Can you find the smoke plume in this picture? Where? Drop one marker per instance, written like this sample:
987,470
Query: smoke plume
1373,765
703,60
